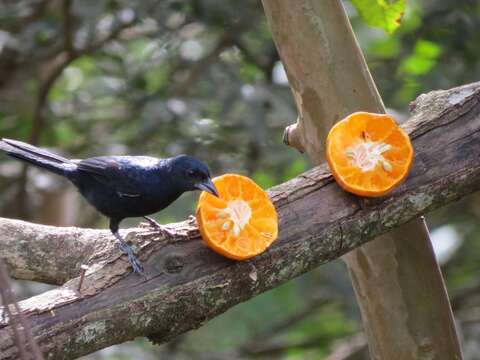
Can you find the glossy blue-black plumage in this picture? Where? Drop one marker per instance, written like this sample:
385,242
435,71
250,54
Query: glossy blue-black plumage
130,186
121,186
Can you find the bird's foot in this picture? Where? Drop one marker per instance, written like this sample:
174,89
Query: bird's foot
136,264
132,259
160,228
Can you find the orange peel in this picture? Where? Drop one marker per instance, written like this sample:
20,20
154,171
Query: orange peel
241,222
369,154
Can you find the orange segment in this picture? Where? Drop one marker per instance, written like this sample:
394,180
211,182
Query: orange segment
369,154
242,222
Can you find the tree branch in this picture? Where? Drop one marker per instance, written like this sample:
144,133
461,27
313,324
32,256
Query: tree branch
188,284
264,341
275,349
353,348
53,72
65,58
49,254
68,30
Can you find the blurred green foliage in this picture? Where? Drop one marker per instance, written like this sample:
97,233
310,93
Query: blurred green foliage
384,14
203,77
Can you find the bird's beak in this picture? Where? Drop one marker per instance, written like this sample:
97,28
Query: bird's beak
208,187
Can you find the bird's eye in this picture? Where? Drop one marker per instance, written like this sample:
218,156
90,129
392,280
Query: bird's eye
191,173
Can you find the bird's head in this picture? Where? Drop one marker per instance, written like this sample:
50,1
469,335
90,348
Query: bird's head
192,174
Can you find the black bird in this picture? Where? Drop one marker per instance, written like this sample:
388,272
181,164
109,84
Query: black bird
122,186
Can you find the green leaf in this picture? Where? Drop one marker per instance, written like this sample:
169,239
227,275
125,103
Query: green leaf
424,58
384,14
386,48
250,72
416,65
427,49
156,78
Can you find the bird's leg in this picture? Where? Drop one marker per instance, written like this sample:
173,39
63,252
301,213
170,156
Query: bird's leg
162,229
127,249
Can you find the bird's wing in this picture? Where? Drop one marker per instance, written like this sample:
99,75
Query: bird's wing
114,173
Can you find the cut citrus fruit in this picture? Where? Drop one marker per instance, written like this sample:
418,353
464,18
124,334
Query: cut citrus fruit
369,154
239,224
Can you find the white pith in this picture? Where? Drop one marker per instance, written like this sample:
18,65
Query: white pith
365,155
239,213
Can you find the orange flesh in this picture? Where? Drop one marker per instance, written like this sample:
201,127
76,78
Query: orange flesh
369,154
239,224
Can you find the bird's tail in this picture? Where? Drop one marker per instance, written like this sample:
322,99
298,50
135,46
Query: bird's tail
38,157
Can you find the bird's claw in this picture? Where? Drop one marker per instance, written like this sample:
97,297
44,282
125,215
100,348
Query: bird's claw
153,223
132,259
136,264
160,228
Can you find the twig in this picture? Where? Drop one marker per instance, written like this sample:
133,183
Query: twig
262,343
7,299
285,345
62,61
83,270
21,328
115,33
68,26
289,321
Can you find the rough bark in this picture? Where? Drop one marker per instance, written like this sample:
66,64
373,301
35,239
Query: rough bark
49,254
188,284
399,287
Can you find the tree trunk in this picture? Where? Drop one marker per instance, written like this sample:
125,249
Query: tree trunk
188,284
399,287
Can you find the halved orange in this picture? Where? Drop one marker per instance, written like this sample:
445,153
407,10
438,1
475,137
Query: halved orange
242,222
369,154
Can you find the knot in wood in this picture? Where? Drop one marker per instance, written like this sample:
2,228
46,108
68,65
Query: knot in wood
292,137
174,264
